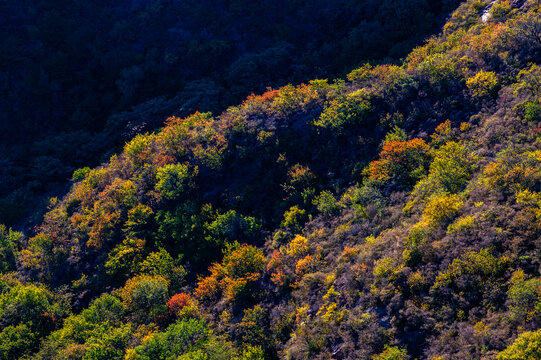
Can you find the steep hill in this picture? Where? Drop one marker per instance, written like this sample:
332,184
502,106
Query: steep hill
80,78
392,215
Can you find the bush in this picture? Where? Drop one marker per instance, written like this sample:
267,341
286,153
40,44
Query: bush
345,110
524,297
298,246
526,346
174,179
392,353
294,218
483,84
452,166
326,203
442,208
145,297
179,338
80,174
241,266
403,161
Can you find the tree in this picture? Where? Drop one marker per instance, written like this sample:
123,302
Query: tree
527,346
173,180
524,297
483,84
452,166
345,110
241,266
403,161
145,297
9,243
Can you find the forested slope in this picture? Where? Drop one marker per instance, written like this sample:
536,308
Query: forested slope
79,78
392,215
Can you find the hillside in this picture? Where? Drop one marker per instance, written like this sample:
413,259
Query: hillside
395,214
78,79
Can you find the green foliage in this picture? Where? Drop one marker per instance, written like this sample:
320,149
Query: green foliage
481,266
173,180
526,346
15,341
392,353
252,353
179,338
396,134
294,218
145,296
136,147
24,304
100,323
349,110
231,227
139,222
124,259
108,345
441,208
80,174
452,166
500,10
528,80
27,313
162,263
360,74
461,224
326,203
10,242
524,297
532,111
439,69
251,329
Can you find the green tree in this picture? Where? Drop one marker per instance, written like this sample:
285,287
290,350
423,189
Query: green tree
173,180
526,347
9,243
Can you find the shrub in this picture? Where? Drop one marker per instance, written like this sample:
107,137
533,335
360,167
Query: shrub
298,246
344,110
524,297
442,208
326,203
177,302
80,174
461,224
483,84
139,221
232,226
145,296
179,338
162,263
174,179
479,266
500,10
452,166
526,346
532,111
392,353
405,161
9,243
294,218
241,266
124,259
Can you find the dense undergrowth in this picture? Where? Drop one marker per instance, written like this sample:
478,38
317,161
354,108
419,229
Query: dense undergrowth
395,215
